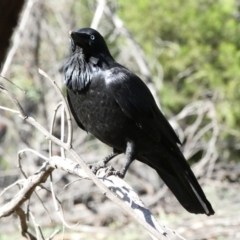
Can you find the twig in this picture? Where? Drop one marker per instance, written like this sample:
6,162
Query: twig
138,53
18,182
57,207
98,13
21,169
23,224
27,190
69,121
15,102
9,109
28,150
62,130
52,126
37,228
53,235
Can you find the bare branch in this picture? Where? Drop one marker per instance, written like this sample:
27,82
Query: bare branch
98,13
54,84
23,224
53,235
52,126
15,102
27,190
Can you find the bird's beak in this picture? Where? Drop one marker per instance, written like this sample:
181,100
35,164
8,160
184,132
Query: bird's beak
78,38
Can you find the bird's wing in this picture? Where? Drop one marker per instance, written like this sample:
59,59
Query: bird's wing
137,102
73,111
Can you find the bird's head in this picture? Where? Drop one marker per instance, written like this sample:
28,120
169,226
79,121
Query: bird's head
89,41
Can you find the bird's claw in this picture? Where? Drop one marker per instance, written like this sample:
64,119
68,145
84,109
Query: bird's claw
96,166
112,172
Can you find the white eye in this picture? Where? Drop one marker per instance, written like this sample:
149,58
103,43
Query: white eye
92,37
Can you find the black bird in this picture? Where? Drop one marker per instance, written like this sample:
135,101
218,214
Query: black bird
113,104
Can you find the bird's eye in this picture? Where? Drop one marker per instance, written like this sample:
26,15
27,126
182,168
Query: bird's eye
92,37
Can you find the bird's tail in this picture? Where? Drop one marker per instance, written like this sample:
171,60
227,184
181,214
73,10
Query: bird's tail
178,176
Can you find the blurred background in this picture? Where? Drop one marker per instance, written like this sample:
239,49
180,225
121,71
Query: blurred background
188,53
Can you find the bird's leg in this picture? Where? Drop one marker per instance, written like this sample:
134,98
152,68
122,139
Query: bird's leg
101,164
131,154
110,157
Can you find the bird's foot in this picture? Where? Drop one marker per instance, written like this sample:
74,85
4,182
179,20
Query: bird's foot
96,166
112,172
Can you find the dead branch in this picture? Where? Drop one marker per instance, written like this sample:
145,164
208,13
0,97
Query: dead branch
27,190
23,224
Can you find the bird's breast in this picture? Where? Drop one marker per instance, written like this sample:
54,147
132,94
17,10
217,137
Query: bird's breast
100,115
